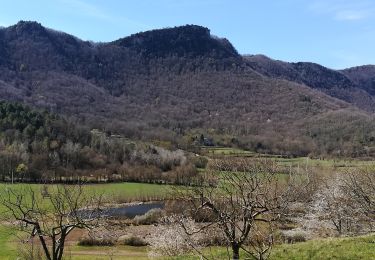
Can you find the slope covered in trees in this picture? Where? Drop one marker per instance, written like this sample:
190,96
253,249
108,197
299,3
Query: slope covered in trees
349,85
40,146
176,84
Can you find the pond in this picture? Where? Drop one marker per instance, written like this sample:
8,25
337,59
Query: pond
130,211
127,211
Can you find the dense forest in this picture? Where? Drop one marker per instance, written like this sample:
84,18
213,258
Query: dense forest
37,146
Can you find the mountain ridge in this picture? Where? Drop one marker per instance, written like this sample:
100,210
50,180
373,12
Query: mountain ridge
336,83
188,39
171,84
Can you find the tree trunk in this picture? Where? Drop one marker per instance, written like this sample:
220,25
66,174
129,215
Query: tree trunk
43,242
62,245
235,251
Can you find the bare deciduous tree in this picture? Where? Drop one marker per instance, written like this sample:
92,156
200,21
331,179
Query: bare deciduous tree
53,218
337,206
239,198
360,185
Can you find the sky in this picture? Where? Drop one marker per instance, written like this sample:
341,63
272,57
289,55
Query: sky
335,33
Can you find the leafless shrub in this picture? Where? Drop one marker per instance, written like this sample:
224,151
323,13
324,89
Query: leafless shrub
134,241
29,250
294,237
360,186
150,217
92,241
171,239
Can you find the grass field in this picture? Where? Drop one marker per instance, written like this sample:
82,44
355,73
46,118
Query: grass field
333,248
226,151
362,247
8,250
122,191
219,152
125,192
112,193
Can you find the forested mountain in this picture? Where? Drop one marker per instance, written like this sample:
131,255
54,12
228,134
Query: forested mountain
363,77
353,85
177,83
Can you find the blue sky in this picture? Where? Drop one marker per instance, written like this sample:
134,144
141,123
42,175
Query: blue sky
334,33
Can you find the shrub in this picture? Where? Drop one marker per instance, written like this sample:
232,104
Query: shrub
91,241
295,238
214,239
199,161
171,240
151,217
134,241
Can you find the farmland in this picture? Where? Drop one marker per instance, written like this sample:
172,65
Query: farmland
226,152
117,193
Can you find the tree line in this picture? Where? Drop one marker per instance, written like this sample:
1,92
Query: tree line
39,146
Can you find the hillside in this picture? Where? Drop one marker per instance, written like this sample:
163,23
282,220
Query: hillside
36,145
352,85
362,76
177,83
